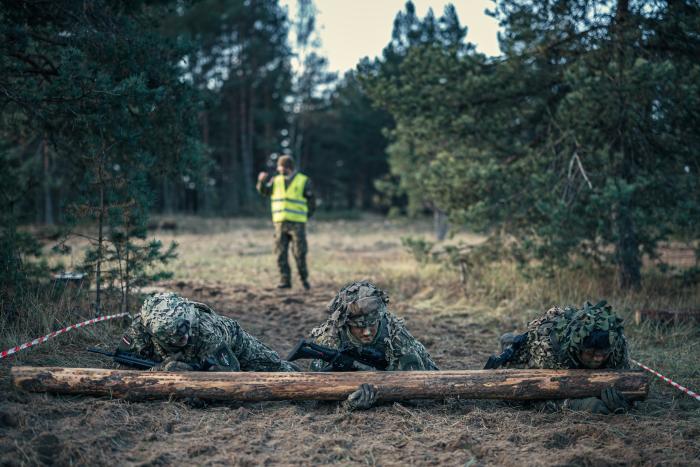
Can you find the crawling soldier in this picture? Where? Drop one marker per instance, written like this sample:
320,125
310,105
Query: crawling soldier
588,338
183,335
359,318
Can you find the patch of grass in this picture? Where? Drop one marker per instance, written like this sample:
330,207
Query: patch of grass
47,309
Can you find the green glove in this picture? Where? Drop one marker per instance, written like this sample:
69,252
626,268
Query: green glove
177,366
410,362
614,400
588,404
172,363
362,399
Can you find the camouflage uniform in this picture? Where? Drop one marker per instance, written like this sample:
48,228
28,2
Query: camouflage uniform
403,352
214,340
554,340
294,232
291,232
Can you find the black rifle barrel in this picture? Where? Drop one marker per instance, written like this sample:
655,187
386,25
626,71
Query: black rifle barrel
125,358
339,359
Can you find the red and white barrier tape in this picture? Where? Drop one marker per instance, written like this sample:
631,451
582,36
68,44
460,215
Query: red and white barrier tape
40,340
692,394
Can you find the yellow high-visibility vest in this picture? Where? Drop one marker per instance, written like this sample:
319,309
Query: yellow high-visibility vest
289,204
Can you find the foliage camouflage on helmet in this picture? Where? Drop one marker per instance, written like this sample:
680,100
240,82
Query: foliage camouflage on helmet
212,338
163,313
338,307
576,324
402,350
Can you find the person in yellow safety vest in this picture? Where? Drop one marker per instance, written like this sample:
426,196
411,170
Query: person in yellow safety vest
293,203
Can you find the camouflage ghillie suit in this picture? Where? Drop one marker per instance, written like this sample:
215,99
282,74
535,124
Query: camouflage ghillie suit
554,340
212,341
403,352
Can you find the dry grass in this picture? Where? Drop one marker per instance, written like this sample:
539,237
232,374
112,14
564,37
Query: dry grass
229,264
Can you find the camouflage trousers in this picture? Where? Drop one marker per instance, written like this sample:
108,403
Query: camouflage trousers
294,233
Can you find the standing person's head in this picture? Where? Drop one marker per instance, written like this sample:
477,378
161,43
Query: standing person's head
285,165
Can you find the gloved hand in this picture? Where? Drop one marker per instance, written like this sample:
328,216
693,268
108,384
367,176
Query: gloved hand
177,366
552,406
614,400
410,362
172,363
588,404
362,399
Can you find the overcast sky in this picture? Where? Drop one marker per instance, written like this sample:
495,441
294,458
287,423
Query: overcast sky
352,29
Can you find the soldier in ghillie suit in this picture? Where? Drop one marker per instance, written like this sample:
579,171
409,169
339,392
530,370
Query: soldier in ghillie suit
591,337
184,335
359,318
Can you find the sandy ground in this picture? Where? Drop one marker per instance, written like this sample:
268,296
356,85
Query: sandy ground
70,430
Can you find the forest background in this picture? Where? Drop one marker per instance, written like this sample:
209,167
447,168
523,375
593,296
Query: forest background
577,146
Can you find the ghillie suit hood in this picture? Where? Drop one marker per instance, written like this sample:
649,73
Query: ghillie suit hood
555,340
164,315
392,336
576,325
338,307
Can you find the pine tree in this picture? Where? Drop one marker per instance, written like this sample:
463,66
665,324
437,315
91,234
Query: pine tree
241,60
391,82
99,86
578,141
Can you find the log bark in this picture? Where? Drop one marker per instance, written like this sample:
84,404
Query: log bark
251,386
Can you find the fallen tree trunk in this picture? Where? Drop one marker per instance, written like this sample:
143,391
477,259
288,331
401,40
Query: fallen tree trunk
676,317
249,386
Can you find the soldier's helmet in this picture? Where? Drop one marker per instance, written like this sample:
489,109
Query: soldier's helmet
359,303
169,318
592,326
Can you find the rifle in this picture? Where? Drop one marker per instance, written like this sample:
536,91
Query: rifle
346,359
495,361
126,358
129,359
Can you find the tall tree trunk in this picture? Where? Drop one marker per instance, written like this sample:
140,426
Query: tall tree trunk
205,193
440,224
100,240
127,279
48,201
230,193
269,145
627,252
250,167
246,152
168,202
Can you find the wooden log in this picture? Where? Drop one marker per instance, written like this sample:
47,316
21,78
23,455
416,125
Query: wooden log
250,386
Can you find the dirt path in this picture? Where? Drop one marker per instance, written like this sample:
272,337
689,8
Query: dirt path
282,317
